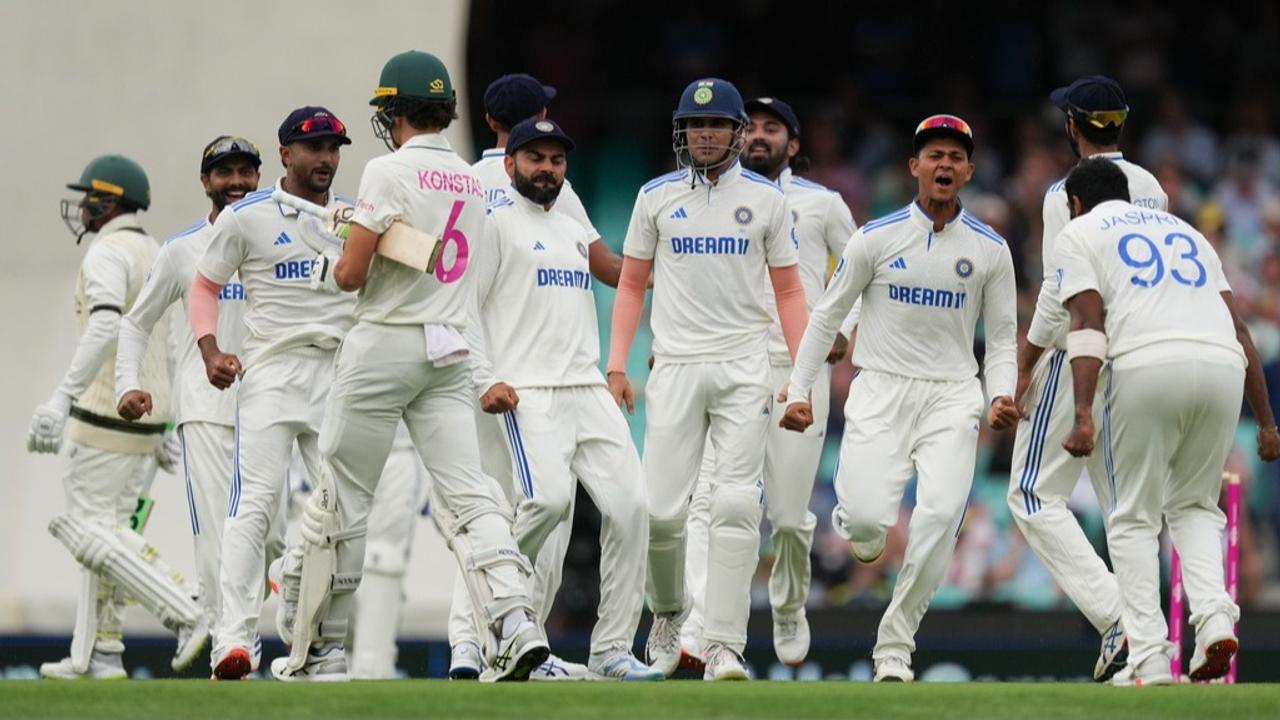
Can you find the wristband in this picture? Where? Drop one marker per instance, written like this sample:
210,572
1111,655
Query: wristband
1086,343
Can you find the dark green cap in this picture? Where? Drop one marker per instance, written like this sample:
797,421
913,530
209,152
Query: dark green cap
116,175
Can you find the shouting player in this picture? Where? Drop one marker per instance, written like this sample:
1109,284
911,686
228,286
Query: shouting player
925,275
715,236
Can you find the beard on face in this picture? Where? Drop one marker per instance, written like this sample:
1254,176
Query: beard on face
221,198
541,194
767,164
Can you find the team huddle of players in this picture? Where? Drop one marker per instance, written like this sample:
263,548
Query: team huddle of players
474,381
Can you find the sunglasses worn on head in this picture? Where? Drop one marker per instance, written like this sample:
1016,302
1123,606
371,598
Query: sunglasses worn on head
950,122
230,144
321,123
1100,118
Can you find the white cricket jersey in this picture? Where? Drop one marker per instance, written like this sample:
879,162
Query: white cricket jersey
426,185
1051,321
1159,278
195,400
259,238
823,226
497,184
536,310
710,245
922,295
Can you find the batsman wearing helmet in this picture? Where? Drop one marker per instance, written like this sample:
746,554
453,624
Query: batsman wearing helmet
715,236
111,462
406,359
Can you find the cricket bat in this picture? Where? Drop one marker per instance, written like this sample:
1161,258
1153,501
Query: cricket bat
401,242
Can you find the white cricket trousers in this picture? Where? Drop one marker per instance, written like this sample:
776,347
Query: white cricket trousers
896,427
791,462
1041,479
727,404
548,568
382,376
280,403
1173,415
103,487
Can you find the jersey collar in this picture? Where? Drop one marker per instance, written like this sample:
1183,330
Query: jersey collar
728,177
428,141
127,221
526,204
1113,156
922,219
494,153
287,211
784,178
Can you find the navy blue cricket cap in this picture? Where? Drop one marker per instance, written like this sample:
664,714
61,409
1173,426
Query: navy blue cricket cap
512,98
311,123
778,108
1094,93
534,129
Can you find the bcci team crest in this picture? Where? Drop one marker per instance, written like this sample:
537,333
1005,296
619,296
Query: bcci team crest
743,215
544,126
582,249
702,95
964,267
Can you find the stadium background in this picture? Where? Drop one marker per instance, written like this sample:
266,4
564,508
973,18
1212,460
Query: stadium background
1201,87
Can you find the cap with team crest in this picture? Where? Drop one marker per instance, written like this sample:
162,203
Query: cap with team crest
779,109
1096,99
534,129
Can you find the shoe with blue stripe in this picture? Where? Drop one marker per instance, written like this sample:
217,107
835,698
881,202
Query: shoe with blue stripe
1114,653
621,665
559,669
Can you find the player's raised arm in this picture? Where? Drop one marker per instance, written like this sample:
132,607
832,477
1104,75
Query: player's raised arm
225,254
1000,320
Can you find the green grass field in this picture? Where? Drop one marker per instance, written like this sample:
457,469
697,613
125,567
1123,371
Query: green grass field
192,699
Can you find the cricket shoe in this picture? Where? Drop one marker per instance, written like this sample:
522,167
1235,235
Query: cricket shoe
517,655
662,650
893,669
235,664
327,663
102,666
621,665
791,637
191,640
465,661
557,669
869,552
1114,653
1154,670
1216,645
724,664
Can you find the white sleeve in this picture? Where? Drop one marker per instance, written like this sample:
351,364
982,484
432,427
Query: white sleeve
1050,319
851,320
642,233
781,242
161,289
377,205
570,204
852,275
227,249
1075,269
106,286
839,225
1000,327
488,260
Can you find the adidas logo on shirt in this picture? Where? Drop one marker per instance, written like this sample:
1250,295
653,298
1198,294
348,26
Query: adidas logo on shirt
539,246
898,264
282,239
679,214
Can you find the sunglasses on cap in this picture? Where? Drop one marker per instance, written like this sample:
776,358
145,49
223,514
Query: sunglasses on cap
230,144
1100,118
321,123
948,122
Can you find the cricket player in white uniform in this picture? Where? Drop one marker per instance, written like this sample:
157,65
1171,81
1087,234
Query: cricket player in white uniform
926,274
287,363
205,416
406,358
715,235
823,226
1148,297
111,462
535,358
507,101
1043,475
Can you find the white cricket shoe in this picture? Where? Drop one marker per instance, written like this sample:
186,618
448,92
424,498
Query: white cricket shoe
465,661
191,640
517,655
1216,645
1114,653
869,552
724,664
558,669
893,669
1154,670
255,655
102,666
327,663
662,650
791,637
621,665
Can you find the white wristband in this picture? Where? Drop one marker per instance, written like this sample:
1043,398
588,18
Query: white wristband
1086,343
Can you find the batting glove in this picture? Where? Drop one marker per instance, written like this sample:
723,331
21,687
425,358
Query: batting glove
322,275
45,434
313,524
169,452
